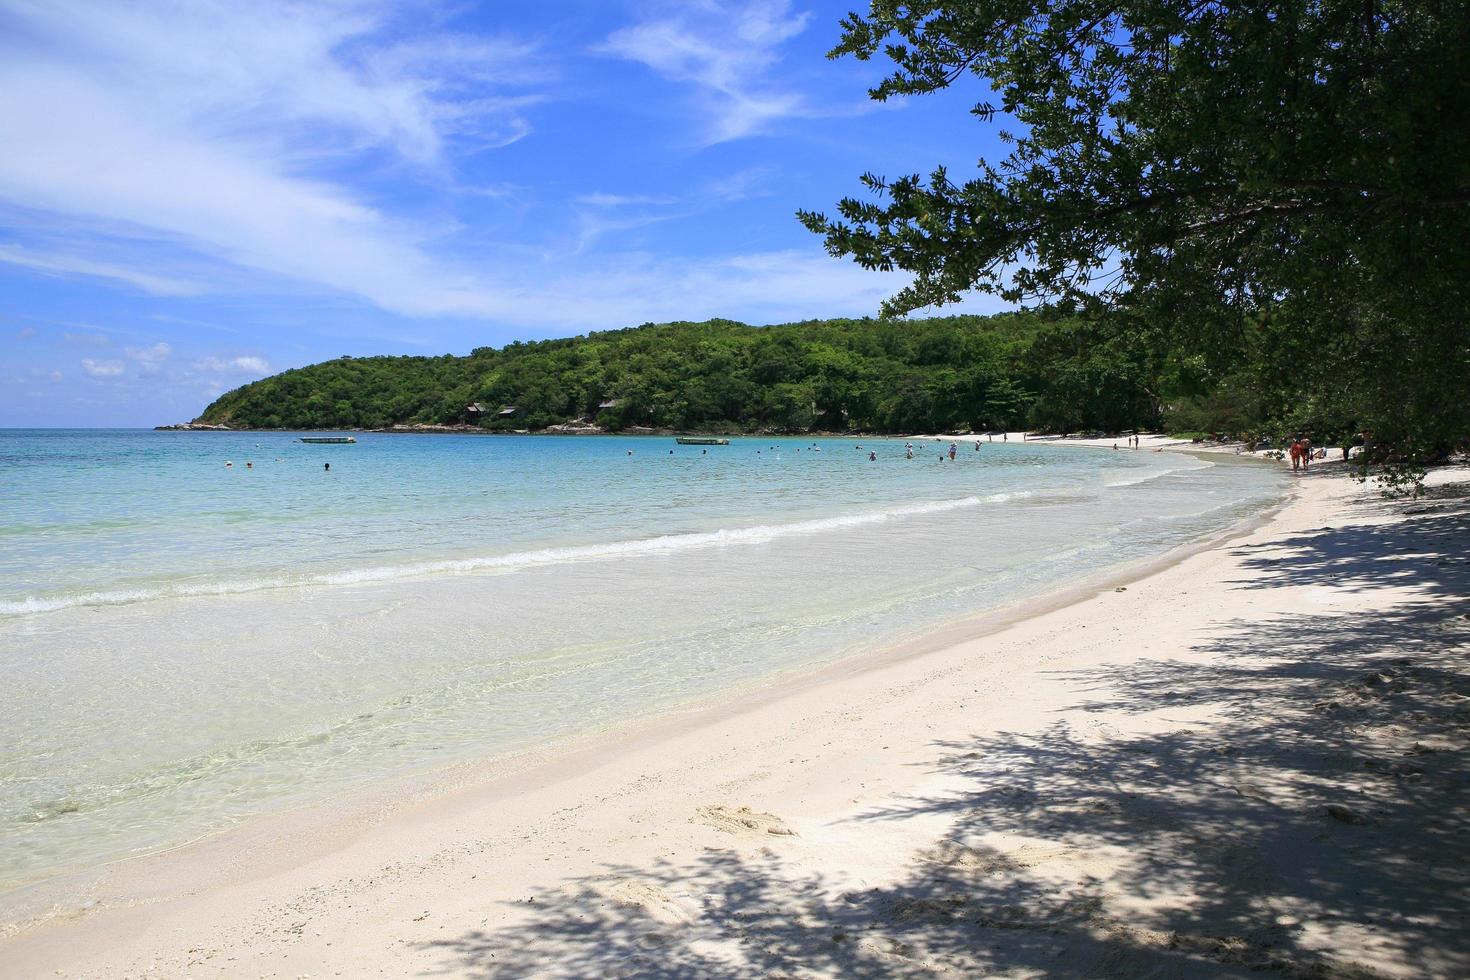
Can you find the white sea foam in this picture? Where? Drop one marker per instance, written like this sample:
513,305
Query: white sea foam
1135,480
662,544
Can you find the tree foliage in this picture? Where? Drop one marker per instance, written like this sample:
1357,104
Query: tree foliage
940,374
1278,188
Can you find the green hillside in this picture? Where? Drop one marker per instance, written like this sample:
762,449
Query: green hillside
921,375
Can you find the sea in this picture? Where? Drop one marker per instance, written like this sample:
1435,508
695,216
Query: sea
197,628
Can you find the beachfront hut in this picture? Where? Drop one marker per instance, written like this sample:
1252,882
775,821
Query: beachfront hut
608,403
474,410
509,412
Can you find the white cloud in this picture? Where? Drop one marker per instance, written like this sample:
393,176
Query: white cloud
206,126
156,354
77,265
252,365
234,365
26,333
725,51
102,369
601,200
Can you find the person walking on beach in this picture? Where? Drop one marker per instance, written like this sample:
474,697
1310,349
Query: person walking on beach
1296,455
1306,453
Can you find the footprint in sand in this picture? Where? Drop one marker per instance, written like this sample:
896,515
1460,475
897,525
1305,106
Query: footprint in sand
984,860
658,904
742,821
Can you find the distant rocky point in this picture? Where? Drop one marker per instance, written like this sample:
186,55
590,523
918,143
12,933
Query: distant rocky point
192,427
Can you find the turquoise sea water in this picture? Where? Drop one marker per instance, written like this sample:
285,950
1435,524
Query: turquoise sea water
186,643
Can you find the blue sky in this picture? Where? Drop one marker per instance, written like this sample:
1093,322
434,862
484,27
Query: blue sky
194,195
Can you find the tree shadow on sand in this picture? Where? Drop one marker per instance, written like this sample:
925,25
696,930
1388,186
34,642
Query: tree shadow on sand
1315,826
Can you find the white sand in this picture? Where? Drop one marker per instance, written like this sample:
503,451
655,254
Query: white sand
1253,759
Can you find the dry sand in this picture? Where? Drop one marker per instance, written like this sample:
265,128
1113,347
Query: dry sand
1251,761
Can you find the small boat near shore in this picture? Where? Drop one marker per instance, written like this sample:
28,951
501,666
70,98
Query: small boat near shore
701,441
327,440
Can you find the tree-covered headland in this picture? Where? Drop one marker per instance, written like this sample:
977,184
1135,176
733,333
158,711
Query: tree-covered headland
1035,370
1274,191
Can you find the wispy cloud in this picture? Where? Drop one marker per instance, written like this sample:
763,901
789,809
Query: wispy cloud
601,200
760,287
726,51
601,213
37,375
215,128
79,266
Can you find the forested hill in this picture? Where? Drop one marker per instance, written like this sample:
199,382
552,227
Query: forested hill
942,374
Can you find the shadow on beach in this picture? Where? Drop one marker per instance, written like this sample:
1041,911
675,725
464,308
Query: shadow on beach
1313,824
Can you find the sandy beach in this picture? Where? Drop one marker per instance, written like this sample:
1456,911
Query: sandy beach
1248,759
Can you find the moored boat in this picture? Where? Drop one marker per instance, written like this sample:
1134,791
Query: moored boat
327,440
701,441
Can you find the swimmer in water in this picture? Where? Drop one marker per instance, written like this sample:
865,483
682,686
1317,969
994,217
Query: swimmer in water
872,457
908,453
228,464
326,467
630,452
249,465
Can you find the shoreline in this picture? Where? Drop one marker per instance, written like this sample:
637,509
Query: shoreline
130,876
688,773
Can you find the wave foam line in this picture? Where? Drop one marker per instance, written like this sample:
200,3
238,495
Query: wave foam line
663,544
1156,474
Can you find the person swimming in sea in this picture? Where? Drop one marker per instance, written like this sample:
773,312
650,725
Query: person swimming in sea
872,457
326,467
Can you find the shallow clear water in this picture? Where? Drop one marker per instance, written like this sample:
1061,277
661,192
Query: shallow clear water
186,643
